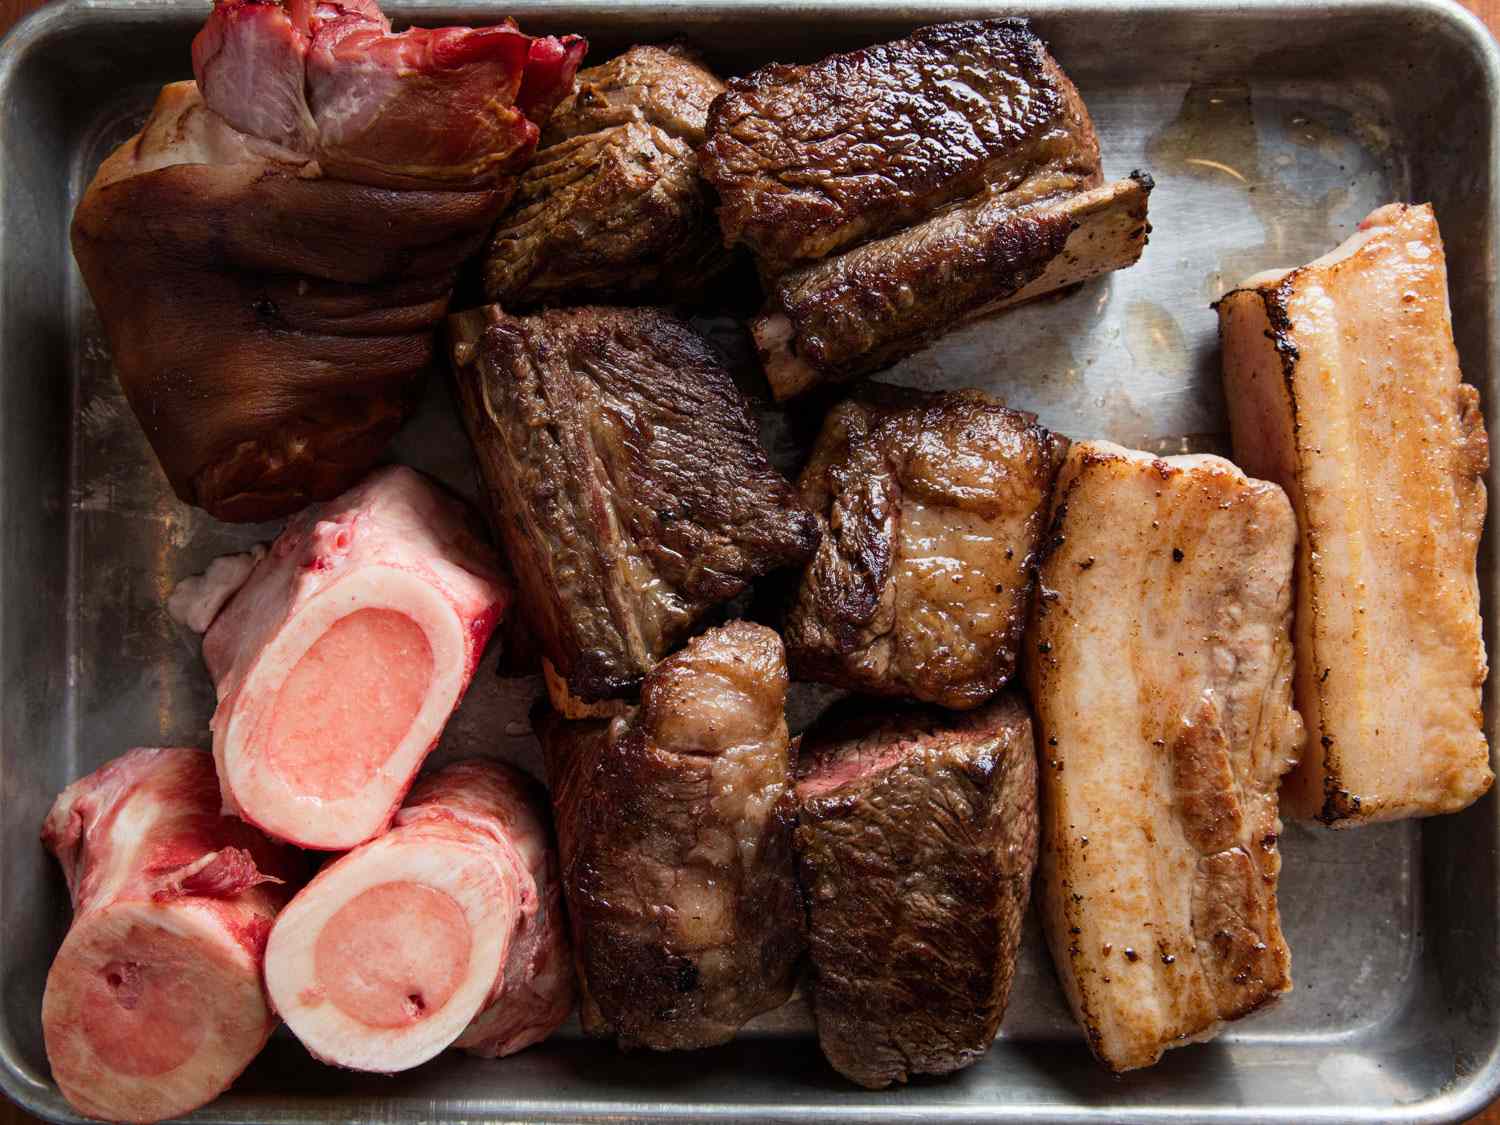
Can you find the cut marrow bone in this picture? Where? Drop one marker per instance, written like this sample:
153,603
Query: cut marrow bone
1344,387
154,1003
393,950
339,660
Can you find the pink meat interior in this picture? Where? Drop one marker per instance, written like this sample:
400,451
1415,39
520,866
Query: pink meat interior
393,954
345,707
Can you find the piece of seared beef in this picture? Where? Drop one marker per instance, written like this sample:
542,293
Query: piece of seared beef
612,205
933,507
917,841
929,180
846,316
675,831
626,481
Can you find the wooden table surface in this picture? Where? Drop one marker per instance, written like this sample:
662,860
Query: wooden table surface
12,10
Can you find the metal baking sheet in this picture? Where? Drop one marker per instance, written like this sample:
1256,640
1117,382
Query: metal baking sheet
1270,127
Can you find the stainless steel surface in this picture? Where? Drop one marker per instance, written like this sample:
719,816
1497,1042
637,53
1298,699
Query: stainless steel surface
1270,127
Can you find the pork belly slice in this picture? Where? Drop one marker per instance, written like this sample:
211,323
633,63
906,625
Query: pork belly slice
675,830
1159,661
154,1003
917,839
849,315
339,660
932,507
1343,386
810,160
447,929
626,482
612,205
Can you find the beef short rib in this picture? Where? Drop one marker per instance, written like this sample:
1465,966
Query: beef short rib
917,840
154,1004
895,191
933,507
394,950
675,830
810,160
339,660
626,481
612,205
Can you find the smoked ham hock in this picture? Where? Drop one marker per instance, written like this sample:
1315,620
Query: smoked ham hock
270,254
154,1004
446,930
1343,386
339,659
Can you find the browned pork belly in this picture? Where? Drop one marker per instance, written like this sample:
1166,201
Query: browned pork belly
1159,661
1343,386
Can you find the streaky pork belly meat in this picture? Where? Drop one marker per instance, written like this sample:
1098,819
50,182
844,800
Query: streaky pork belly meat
892,192
612,206
445,930
154,1004
1159,662
675,831
932,507
917,839
626,482
340,658
270,254
1343,386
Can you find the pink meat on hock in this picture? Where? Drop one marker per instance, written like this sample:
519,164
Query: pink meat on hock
446,930
454,107
154,1004
340,659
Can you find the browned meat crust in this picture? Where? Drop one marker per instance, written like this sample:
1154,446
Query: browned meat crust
675,830
809,160
626,481
270,331
933,507
917,841
612,205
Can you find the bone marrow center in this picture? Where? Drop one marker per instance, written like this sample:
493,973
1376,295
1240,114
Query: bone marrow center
349,701
394,954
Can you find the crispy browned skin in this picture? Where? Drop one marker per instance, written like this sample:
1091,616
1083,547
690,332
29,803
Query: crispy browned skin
812,159
1159,664
917,840
863,310
270,331
675,830
626,481
612,205
932,507
1344,387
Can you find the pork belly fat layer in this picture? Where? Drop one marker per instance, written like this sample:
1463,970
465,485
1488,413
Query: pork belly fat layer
917,840
809,160
675,830
154,1004
932,508
1343,386
1159,662
626,481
